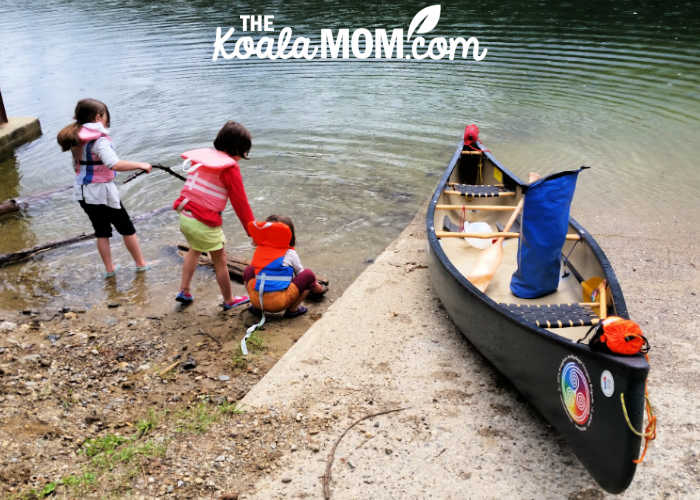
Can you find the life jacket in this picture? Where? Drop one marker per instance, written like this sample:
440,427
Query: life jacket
90,168
272,240
203,185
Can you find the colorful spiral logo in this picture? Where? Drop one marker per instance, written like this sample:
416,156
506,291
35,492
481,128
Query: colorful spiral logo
575,391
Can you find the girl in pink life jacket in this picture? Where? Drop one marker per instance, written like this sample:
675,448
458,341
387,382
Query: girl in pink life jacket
213,177
276,272
95,163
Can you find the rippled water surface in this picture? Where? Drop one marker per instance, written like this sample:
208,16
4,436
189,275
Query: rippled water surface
350,149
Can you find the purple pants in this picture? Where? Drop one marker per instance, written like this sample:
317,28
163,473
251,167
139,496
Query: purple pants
304,280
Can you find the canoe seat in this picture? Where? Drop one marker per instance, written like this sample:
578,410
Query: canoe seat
554,315
478,190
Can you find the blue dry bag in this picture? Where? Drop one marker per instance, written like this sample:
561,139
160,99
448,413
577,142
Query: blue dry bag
542,235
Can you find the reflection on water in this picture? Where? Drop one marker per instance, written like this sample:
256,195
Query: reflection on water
348,148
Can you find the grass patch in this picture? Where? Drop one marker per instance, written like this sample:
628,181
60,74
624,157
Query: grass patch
230,409
240,361
102,445
147,424
255,342
196,419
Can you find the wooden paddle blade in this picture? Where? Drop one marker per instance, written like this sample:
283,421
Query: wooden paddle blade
487,265
490,259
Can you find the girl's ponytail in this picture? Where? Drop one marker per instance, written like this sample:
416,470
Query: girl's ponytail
68,136
86,111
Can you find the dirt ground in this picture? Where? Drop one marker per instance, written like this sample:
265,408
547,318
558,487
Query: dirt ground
119,401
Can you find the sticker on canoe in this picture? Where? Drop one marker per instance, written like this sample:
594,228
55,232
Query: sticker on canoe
607,383
575,392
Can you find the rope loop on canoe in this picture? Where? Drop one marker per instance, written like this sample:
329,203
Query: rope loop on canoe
649,433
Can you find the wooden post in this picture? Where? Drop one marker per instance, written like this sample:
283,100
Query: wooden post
3,114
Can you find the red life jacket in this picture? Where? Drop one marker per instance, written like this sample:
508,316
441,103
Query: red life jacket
204,194
272,242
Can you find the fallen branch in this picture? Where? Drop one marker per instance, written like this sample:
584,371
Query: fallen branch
326,478
17,204
15,257
235,265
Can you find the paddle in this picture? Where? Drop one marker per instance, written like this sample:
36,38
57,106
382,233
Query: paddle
490,259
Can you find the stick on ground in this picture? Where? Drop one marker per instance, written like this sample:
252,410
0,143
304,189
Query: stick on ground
326,478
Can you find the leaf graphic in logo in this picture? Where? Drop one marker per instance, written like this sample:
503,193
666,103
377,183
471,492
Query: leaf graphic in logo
425,20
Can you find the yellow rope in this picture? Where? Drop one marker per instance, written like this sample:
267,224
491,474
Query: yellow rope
650,433
627,419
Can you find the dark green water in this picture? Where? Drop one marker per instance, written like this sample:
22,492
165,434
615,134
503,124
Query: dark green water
348,148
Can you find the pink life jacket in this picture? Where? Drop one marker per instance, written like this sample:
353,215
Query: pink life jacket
203,185
90,168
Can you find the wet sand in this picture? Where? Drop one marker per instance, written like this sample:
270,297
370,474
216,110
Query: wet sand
461,430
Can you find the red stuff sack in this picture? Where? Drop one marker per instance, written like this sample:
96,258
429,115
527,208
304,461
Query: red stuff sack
615,335
471,135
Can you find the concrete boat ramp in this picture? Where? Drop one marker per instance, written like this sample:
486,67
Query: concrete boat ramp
460,429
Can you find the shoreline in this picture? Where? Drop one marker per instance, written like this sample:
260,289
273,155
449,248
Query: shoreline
385,344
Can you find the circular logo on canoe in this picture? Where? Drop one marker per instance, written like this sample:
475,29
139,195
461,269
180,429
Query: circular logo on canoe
575,391
607,383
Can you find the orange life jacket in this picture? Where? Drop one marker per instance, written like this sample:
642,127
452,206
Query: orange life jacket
272,242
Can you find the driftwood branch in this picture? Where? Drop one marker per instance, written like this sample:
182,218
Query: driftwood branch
326,478
236,265
21,203
15,257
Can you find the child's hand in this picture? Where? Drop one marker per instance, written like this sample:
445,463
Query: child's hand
146,167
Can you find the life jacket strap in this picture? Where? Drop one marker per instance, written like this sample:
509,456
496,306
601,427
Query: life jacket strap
90,162
263,278
181,205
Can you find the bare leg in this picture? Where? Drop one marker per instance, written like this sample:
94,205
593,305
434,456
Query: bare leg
218,257
295,305
105,253
188,267
131,243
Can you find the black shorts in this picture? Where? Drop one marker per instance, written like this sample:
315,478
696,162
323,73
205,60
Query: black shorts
104,217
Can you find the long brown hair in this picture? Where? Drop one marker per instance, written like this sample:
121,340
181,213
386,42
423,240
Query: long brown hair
86,111
287,222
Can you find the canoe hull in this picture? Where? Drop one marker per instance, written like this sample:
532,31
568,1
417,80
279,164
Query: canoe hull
566,382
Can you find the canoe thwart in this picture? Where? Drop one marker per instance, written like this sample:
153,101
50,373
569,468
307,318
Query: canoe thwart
479,191
554,315
499,208
500,234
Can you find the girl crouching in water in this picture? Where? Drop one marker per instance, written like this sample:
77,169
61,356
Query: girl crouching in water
95,163
276,279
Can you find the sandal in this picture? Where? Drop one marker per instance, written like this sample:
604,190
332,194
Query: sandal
184,298
293,314
238,300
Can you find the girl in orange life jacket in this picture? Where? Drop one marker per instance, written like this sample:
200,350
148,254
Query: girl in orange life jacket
95,162
212,177
286,283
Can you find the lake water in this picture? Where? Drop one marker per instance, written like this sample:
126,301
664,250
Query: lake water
349,149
